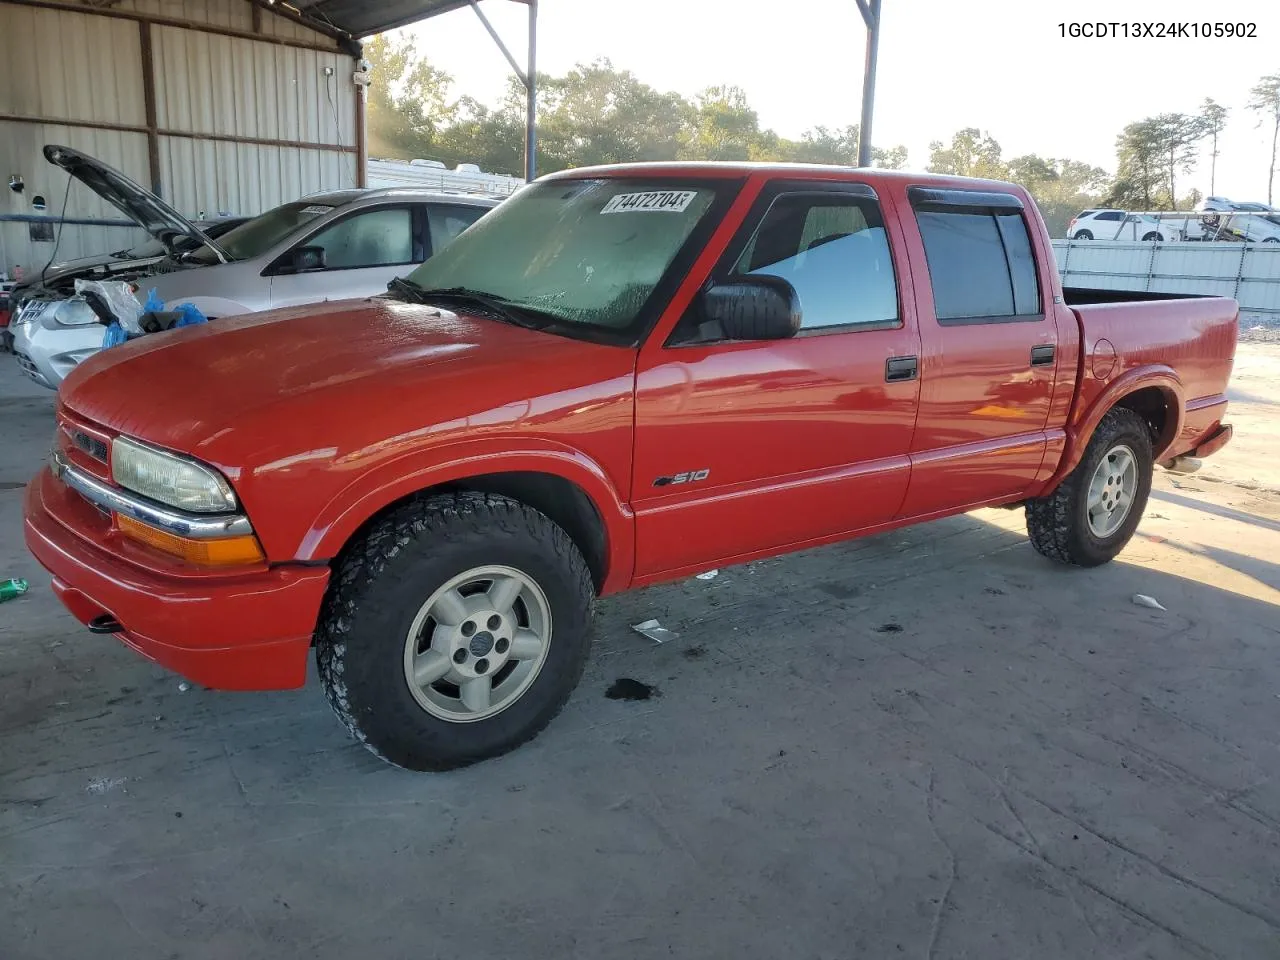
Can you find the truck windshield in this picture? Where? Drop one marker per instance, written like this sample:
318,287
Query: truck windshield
255,237
581,253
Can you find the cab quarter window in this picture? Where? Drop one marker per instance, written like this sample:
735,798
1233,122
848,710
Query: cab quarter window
834,251
980,263
377,238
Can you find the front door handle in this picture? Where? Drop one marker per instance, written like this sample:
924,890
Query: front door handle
898,369
1042,356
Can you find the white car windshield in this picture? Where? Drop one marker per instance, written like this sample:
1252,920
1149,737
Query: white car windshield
579,253
255,237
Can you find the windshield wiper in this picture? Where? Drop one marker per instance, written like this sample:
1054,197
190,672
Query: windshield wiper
412,292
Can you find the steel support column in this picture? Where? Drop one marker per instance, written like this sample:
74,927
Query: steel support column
870,10
528,77
531,97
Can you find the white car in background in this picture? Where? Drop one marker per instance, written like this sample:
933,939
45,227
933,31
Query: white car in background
1112,224
328,246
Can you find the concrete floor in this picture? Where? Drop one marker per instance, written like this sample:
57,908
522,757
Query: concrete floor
931,744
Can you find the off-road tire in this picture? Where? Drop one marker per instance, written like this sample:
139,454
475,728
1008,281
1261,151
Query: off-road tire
1059,525
384,578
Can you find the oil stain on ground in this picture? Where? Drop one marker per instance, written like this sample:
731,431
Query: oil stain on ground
624,688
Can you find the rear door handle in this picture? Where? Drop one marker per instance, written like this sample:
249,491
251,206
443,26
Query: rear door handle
1042,356
897,369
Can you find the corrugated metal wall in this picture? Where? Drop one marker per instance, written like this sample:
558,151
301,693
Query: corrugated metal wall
1249,272
72,65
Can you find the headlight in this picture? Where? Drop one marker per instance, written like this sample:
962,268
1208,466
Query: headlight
74,313
170,479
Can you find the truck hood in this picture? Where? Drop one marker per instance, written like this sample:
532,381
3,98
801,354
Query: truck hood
343,377
140,205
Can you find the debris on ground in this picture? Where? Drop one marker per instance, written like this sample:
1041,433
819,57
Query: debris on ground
183,687
99,786
624,688
654,631
1142,600
709,575
12,588
889,628
695,653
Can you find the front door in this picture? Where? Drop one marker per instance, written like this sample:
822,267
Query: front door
363,252
743,448
990,354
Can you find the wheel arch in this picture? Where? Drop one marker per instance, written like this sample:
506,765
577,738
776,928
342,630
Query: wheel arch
566,486
1153,392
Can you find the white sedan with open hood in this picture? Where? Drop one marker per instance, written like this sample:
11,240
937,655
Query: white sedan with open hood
328,246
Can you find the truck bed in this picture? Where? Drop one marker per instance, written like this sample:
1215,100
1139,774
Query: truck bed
1085,296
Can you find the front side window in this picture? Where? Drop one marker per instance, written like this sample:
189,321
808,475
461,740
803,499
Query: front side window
980,263
375,238
833,250
579,253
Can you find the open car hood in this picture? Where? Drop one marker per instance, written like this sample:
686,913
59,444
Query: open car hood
138,204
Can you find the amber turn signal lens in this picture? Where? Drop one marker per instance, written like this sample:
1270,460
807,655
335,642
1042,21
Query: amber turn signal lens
224,552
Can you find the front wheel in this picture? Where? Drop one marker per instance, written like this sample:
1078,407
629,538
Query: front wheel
455,630
1151,237
1093,513
1271,240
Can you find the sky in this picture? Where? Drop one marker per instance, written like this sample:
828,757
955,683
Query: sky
1000,65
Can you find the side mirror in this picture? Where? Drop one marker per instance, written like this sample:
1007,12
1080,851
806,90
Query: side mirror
306,259
759,308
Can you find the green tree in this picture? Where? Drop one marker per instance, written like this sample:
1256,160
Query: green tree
1178,134
724,127
1264,100
1140,173
1214,118
1061,188
972,153
837,146
596,114
409,103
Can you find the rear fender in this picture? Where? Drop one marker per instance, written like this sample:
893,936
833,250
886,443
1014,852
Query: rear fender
1083,423
374,491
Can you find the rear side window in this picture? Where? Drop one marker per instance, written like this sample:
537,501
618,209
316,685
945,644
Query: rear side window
833,249
980,263
1111,215
446,222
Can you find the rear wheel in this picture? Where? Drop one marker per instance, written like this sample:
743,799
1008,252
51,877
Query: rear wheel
1093,513
455,630
1083,235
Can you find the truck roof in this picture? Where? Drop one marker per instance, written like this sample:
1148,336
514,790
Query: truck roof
730,169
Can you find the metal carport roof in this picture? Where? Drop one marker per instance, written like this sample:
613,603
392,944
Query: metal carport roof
363,18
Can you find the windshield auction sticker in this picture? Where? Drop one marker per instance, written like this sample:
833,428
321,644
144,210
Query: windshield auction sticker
655,201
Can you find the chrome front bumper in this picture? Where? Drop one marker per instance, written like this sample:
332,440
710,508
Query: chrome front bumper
116,500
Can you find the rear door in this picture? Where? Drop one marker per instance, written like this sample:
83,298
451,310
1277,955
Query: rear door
747,447
364,251
990,352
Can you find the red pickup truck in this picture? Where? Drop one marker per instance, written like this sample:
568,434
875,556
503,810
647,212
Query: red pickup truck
620,376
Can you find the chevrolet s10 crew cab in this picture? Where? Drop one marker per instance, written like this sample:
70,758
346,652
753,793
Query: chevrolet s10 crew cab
621,376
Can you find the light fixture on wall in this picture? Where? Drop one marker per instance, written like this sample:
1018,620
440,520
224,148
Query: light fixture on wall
16,183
